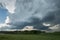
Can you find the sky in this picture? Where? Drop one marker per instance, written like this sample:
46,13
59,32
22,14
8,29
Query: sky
3,14
5,8
41,14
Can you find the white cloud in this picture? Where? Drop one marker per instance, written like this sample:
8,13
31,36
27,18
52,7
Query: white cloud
55,28
7,20
9,4
6,23
46,24
28,28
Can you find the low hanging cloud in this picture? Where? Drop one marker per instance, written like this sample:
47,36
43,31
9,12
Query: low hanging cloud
55,28
34,12
42,14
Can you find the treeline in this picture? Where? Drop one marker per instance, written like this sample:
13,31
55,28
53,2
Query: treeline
22,32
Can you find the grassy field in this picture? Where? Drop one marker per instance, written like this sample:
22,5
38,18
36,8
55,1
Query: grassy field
54,36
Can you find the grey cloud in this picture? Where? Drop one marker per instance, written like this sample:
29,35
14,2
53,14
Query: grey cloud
36,12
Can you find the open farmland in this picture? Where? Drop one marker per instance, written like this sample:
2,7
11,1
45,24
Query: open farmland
42,36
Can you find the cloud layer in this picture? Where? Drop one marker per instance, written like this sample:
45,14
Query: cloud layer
42,14
35,13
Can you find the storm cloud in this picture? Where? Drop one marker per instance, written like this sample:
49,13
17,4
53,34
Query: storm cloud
35,13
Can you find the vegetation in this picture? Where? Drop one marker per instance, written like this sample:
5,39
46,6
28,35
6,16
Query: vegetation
41,36
21,32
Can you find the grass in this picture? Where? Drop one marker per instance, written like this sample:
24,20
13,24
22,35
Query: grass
46,36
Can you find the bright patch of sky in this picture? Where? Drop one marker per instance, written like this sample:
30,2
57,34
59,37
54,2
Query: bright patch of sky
3,14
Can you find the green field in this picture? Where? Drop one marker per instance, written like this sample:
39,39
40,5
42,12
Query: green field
54,36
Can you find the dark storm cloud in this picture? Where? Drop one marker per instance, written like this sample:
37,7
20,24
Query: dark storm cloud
53,17
36,22
48,10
